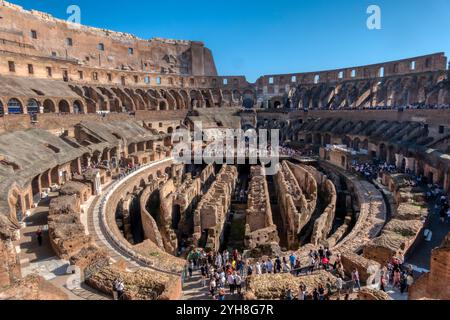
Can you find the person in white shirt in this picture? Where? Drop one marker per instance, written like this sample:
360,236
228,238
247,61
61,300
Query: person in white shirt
231,283
258,268
238,283
339,285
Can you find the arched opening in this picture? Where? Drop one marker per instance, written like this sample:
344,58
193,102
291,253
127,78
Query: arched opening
49,106
170,130
248,103
15,106
365,145
35,187
162,105
32,106
277,104
64,107
2,111
383,152
356,144
78,107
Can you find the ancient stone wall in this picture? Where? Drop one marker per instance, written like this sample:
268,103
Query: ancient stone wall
434,285
212,210
324,224
66,232
9,264
297,197
406,223
260,229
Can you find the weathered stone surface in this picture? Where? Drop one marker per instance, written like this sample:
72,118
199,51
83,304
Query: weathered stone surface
274,286
364,266
159,258
69,204
67,235
90,260
435,284
140,285
33,288
211,212
9,264
297,197
260,229
370,294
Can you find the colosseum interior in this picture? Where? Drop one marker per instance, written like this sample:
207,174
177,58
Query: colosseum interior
87,167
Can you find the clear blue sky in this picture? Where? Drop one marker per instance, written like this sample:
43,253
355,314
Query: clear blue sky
253,38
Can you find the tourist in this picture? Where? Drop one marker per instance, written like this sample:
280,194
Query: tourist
382,282
298,267
258,268
409,281
221,296
249,270
203,270
286,268
321,291
114,288
39,237
212,286
292,260
219,261
231,283
397,278
302,292
238,283
190,268
403,283
120,289
325,262
277,265
288,295
315,294
269,266
225,256
339,285
355,279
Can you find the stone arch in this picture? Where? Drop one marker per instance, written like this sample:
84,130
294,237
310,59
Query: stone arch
365,144
196,99
347,141
356,144
248,101
383,152
178,100
162,105
63,106
49,106
78,107
227,97
184,95
327,139
15,106
33,106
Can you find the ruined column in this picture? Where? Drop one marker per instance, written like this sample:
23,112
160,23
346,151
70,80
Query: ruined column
398,160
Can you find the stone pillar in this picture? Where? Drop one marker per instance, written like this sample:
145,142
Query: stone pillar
447,181
410,164
398,160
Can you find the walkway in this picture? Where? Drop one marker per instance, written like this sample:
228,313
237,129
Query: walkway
41,260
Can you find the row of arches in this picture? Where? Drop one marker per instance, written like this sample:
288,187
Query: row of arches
34,106
393,92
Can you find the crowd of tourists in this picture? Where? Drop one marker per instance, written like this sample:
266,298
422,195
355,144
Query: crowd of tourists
372,171
396,275
227,273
